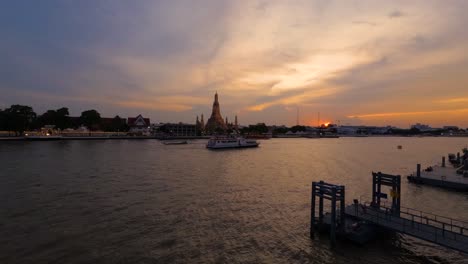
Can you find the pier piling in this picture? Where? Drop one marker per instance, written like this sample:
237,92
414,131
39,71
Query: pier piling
335,194
440,230
443,161
418,170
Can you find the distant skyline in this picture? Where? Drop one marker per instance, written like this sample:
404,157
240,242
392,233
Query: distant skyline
356,62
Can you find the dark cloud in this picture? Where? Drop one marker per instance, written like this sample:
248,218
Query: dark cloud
396,14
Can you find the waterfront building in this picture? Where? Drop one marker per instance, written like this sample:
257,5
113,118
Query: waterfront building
215,123
450,128
422,127
179,130
139,125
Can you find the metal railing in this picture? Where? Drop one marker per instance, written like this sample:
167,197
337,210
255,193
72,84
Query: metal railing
443,222
429,226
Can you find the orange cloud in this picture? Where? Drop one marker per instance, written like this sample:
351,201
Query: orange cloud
296,99
397,114
454,100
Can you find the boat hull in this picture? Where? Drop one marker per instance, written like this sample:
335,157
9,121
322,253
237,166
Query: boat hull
43,138
233,147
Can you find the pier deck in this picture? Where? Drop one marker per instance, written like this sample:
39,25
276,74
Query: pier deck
440,230
442,177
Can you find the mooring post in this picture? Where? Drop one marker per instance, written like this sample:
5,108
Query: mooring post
379,189
418,170
342,210
312,211
398,196
443,161
373,188
333,218
321,203
458,157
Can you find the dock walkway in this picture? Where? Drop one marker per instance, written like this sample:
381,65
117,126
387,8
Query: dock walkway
440,230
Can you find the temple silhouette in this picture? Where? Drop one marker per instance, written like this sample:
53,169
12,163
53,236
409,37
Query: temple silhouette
216,123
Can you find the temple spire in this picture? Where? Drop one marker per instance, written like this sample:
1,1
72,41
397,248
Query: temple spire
215,123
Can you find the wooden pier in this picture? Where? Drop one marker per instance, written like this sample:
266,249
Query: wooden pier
360,220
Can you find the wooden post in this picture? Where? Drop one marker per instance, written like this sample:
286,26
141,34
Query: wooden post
312,211
443,161
418,170
379,189
333,218
342,210
321,204
458,157
398,196
373,188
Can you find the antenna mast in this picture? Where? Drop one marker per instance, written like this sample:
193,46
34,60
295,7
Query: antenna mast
318,119
297,116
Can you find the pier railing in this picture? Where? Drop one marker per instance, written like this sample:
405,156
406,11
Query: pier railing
430,227
442,222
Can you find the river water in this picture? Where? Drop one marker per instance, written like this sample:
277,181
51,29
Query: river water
144,202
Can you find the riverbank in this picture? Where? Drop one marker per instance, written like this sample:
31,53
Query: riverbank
45,138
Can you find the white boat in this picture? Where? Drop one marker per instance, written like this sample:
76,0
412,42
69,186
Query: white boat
231,142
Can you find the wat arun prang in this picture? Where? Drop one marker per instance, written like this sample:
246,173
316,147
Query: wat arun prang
216,123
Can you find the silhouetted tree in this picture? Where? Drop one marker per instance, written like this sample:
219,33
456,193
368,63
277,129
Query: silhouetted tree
58,117
280,130
18,118
91,119
298,128
2,120
63,118
118,124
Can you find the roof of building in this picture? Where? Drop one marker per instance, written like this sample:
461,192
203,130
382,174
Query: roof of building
138,121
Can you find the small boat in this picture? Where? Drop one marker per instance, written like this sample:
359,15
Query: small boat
399,147
43,138
175,142
231,142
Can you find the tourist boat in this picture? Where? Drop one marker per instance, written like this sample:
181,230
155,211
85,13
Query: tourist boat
175,142
230,142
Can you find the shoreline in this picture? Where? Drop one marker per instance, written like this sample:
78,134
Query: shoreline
191,137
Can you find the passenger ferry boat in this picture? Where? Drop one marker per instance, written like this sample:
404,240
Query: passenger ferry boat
231,142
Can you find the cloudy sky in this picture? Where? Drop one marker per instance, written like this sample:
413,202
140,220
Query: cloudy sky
356,62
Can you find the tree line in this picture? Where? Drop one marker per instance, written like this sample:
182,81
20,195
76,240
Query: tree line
20,118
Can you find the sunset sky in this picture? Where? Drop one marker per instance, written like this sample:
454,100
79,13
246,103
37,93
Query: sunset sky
356,62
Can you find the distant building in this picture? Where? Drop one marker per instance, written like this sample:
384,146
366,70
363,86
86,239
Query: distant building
453,128
139,125
179,130
200,124
349,130
422,127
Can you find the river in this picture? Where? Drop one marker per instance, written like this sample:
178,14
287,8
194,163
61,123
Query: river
137,201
